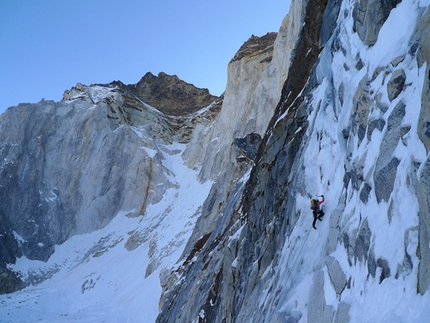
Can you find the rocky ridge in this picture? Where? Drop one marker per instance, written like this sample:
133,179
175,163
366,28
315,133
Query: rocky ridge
226,149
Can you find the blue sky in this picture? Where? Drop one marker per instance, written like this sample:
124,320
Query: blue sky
47,47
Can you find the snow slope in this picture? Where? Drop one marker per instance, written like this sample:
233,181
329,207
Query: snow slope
307,254
104,276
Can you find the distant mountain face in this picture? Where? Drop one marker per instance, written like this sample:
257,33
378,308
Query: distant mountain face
162,193
69,167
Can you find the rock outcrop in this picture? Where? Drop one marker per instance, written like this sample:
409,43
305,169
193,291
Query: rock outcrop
171,95
256,46
253,89
369,17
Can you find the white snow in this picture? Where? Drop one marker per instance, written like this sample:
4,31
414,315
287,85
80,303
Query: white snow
99,93
18,237
95,278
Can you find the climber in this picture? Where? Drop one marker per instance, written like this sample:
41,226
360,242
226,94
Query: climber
316,210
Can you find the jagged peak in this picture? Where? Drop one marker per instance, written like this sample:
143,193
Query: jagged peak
171,95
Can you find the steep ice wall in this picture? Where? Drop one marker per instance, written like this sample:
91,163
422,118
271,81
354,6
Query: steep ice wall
354,127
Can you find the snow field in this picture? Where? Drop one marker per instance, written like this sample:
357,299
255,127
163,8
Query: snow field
96,279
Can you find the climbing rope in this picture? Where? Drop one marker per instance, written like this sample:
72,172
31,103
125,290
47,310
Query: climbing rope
298,256
291,267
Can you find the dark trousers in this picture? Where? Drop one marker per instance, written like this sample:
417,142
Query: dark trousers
318,214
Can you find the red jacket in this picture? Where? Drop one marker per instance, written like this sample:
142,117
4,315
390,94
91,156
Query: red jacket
320,202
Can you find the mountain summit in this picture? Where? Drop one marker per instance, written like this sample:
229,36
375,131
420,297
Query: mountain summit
158,202
171,95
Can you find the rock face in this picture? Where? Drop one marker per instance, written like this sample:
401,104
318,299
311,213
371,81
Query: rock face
253,90
369,16
332,104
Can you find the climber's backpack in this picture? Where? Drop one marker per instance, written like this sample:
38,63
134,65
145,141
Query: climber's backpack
314,204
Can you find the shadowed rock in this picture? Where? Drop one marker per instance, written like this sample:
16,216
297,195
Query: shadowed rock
395,84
